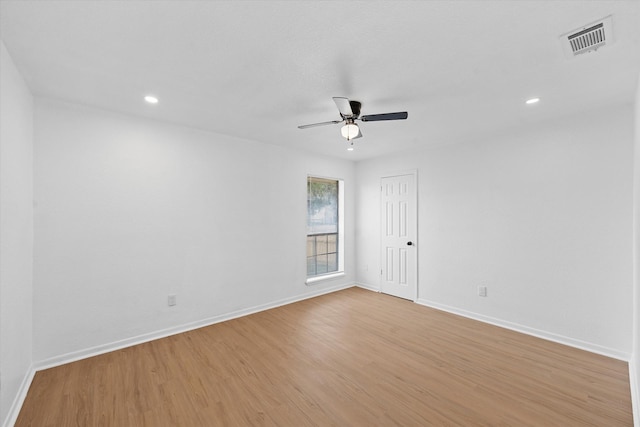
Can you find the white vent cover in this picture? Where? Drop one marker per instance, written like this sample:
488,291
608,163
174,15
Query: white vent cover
588,38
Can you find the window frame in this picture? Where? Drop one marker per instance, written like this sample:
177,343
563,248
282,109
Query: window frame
340,244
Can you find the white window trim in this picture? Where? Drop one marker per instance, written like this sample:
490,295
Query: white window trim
322,277
340,273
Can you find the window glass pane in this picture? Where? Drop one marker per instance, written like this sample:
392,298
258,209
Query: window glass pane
321,244
322,206
332,243
332,262
321,264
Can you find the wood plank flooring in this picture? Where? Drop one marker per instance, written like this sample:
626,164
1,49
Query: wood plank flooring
351,358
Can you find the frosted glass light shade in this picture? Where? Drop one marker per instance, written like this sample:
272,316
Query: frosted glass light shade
350,131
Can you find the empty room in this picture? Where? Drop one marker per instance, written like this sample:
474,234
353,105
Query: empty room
319,213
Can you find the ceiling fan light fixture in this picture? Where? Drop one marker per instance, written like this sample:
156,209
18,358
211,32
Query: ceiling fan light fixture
350,131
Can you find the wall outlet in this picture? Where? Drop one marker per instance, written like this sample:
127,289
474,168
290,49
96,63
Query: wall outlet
482,291
171,300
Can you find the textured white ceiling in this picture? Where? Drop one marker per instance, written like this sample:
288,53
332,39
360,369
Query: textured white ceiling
258,69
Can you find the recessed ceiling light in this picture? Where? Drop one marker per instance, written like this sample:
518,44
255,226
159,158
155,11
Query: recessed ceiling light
151,99
350,149
532,100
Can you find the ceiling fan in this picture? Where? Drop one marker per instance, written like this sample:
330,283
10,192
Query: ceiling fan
350,112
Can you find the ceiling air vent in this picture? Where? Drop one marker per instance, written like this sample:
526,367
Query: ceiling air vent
588,38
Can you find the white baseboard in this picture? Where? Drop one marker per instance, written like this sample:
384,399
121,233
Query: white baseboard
635,397
368,287
582,345
16,405
128,342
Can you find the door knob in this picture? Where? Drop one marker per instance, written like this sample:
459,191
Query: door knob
409,243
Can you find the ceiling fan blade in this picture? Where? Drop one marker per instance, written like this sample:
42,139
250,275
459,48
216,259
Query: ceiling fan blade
333,122
343,106
387,116
355,108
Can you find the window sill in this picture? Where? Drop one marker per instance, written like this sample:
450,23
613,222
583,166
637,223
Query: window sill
315,279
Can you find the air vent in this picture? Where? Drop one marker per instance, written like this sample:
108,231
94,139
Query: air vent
588,38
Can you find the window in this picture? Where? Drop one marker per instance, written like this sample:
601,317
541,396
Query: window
324,228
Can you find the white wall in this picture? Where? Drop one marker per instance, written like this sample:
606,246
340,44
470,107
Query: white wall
635,361
541,214
130,210
16,232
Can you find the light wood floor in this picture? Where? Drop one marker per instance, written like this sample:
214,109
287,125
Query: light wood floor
351,358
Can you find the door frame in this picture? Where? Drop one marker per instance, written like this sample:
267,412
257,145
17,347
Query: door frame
415,239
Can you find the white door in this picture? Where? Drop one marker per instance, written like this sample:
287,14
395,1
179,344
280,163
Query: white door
399,232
